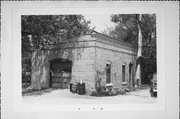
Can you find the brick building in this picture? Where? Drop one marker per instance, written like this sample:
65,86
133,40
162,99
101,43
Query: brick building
96,58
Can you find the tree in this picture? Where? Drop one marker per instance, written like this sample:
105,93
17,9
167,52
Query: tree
40,31
43,33
127,30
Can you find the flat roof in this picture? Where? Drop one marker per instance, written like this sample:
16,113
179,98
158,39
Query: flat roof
110,39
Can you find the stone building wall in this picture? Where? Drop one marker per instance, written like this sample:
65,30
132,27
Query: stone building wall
116,59
40,70
107,51
84,63
89,58
83,69
41,60
93,58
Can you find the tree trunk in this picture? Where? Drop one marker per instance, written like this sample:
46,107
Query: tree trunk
139,54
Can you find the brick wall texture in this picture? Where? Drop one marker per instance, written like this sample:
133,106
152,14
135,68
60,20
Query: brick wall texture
93,59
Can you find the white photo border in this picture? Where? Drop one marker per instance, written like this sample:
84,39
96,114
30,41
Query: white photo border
17,56
13,36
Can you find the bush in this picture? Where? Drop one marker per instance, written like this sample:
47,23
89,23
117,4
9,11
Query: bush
94,94
110,93
121,91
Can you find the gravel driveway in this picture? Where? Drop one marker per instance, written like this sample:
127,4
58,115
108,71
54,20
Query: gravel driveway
66,97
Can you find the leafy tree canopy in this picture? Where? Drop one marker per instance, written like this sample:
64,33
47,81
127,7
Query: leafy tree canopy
41,30
48,31
126,29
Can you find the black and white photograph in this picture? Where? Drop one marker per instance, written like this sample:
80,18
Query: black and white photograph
104,59
89,60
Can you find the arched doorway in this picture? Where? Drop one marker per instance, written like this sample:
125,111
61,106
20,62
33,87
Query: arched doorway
60,73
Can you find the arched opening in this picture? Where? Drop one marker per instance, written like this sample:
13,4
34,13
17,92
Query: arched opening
60,73
130,74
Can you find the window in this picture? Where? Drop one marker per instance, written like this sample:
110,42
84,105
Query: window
123,73
108,73
130,73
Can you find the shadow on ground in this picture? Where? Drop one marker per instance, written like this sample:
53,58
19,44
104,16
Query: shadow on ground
38,92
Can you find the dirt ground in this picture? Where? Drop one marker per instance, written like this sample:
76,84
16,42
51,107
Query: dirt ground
60,96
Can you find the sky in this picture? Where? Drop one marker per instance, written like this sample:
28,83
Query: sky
99,21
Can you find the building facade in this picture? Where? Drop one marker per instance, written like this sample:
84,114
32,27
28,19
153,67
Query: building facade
96,59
